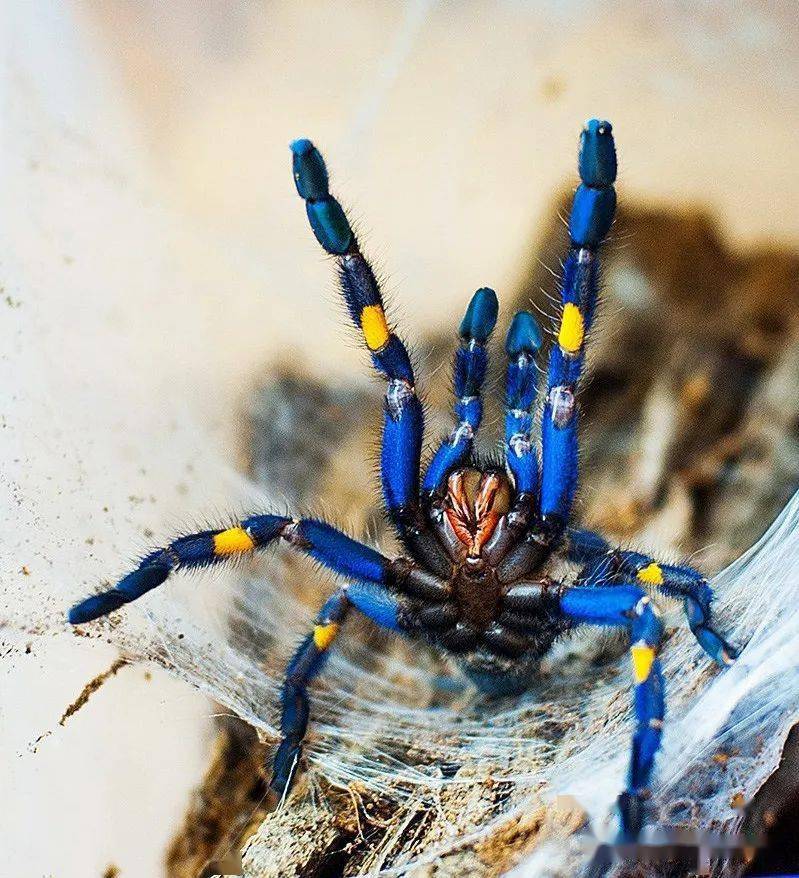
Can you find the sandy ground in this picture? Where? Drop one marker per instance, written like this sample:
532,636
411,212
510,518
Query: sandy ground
155,258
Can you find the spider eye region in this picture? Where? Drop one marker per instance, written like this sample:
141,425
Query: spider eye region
475,503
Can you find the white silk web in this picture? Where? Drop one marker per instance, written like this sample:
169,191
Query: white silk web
569,735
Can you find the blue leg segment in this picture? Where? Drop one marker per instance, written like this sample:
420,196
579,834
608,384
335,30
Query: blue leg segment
521,389
305,664
375,602
329,546
590,220
599,571
471,362
403,420
585,545
629,606
674,580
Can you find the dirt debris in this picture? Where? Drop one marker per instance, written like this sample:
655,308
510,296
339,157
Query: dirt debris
90,688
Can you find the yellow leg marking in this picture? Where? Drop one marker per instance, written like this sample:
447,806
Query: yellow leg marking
572,329
651,574
324,635
642,656
232,541
374,326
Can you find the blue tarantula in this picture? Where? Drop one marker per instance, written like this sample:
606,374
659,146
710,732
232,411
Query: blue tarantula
479,540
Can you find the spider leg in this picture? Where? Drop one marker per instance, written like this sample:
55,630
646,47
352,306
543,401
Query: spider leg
403,424
375,602
521,345
674,580
471,362
521,456
320,540
629,606
590,220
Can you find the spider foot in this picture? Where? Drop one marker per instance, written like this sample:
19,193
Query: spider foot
715,645
697,610
284,767
152,571
631,816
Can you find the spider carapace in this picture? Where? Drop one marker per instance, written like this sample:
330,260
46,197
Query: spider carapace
480,542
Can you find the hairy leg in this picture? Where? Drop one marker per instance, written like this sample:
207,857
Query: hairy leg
629,606
375,602
329,546
521,345
471,362
675,580
591,216
403,422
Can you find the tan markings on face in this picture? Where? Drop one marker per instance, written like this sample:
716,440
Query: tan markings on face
475,503
491,503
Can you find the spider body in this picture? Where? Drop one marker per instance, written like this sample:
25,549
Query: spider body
481,543
490,616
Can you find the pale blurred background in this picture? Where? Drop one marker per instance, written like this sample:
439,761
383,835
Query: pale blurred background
155,257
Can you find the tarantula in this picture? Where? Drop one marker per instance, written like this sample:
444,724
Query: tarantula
479,539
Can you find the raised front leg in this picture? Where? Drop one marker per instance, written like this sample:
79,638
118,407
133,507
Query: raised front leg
590,220
629,606
403,424
471,362
674,580
521,391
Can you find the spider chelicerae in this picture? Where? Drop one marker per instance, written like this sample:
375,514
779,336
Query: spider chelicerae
480,540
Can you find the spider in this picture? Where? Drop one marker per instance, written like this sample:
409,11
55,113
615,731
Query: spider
480,539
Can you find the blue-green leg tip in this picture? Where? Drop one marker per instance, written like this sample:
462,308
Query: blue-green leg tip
524,335
329,224
481,316
310,173
597,154
592,215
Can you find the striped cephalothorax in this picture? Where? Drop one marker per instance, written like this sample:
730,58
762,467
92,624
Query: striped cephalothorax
480,541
